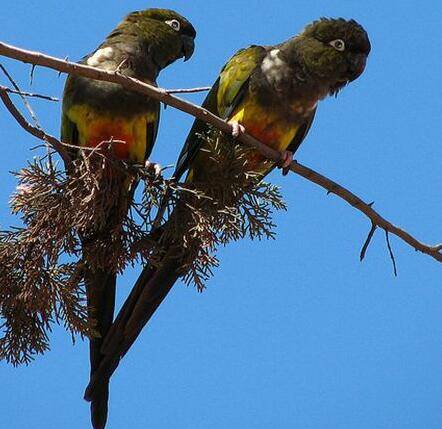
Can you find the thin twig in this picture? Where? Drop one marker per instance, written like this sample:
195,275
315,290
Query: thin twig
198,112
22,96
367,242
31,74
28,94
40,134
28,107
390,251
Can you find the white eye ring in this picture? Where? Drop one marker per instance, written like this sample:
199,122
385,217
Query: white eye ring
338,44
175,24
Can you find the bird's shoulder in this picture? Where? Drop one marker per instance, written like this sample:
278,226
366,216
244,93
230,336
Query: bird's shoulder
236,73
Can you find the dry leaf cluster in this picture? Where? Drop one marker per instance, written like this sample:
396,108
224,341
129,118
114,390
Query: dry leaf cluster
91,217
234,204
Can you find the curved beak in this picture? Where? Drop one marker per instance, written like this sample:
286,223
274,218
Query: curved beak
357,66
188,46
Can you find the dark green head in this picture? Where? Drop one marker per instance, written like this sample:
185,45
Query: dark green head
335,50
166,34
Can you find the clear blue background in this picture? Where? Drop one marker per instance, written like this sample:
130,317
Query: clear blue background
290,333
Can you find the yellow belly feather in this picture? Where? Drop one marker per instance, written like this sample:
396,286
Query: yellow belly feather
93,128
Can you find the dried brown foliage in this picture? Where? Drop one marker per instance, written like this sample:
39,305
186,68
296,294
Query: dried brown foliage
234,204
87,218
69,221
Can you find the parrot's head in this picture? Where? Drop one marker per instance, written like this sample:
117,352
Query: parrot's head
334,50
168,35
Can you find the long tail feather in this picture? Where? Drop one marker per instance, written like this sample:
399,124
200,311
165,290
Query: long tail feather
99,408
101,303
149,292
113,337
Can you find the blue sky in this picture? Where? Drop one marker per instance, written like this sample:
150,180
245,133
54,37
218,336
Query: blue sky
294,332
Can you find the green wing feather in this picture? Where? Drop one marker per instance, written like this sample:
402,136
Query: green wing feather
234,78
152,132
69,131
69,134
302,132
225,95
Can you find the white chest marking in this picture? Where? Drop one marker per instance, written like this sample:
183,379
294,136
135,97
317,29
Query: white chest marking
101,56
273,67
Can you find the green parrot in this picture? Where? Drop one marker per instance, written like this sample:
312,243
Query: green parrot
272,93
143,44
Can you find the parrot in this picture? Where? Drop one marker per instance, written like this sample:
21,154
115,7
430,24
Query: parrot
143,43
270,92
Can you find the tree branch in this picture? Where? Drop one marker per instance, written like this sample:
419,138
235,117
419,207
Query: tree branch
164,96
188,90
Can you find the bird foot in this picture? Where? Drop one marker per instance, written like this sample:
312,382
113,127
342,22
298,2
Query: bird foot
154,167
123,64
237,129
286,160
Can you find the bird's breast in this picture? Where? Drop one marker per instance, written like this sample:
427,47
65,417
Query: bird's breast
129,135
271,128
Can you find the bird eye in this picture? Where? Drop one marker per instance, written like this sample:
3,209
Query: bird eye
174,23
338,44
